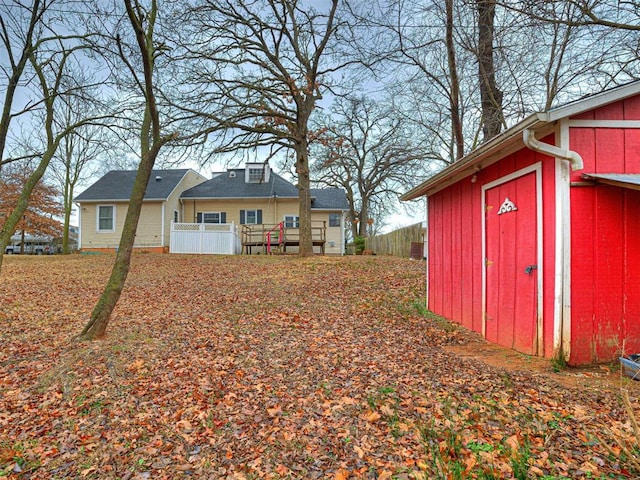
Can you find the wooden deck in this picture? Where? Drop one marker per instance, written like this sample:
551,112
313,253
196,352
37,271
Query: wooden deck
276,238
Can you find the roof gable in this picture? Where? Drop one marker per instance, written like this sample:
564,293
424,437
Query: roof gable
117,185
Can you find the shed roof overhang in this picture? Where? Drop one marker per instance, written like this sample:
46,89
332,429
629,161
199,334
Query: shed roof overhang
488,153
624,180
511,140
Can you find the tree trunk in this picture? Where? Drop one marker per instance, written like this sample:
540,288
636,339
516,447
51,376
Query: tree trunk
454,99
490,94
97,325
304,197
151,142
65,229
364,216
68,205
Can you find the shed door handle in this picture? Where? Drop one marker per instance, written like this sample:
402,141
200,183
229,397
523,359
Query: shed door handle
530,268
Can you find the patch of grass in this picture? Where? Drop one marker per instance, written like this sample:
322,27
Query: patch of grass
96,405
558,361
476,447
16,453
325,388
421,308
445,462
520,461
507,380
386,390
439,321
140,465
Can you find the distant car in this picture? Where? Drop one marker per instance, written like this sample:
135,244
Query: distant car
29,249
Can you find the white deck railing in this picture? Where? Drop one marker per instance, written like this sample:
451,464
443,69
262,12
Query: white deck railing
207,238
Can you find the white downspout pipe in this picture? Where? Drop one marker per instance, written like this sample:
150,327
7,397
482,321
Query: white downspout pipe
575,160
162,222
79,243
529,139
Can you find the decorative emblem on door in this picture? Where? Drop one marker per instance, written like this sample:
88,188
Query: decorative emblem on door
507,206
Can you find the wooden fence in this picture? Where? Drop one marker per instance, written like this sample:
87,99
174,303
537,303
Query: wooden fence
407,242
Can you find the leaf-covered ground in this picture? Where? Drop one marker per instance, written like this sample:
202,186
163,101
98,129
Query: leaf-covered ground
275,367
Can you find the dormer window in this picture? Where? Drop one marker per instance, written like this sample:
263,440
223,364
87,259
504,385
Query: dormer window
256,173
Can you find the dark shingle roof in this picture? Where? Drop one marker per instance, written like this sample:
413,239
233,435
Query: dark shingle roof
329,199
118,184
231,184
226,185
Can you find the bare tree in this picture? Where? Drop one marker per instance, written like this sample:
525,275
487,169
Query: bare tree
615,14
32,33
73,160
429,73
570,58
143,23
370,154
18,31
459,67
257,72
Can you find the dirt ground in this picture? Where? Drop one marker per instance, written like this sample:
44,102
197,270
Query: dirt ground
593,377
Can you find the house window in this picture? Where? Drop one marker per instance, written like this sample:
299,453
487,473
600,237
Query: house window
256,175
106,218
257,172
334,219
250,217
211,217
291,221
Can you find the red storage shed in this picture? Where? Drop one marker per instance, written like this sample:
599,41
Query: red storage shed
534,237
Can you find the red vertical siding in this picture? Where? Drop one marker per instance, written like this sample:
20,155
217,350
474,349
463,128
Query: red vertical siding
467,260
608,266
604,297
583,140
613,111
475,240
582,275
632,150
447,254
605,240
456,253
455,243
433,254
631,327
632,108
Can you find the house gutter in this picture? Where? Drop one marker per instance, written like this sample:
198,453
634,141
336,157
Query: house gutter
529,139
